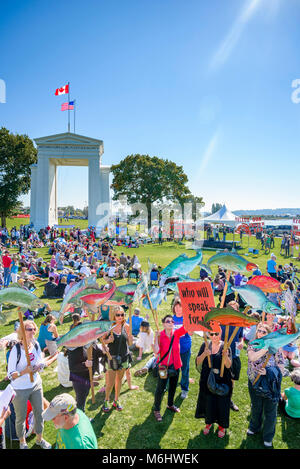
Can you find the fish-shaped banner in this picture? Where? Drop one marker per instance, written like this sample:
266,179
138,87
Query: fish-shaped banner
84,334
275,340
97,299
74,290
230,317
266,284
232,262
18,296
123,295
157,295
182,265
255,297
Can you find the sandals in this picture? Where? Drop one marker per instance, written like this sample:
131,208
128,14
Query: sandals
207,429
173,408
221,432
157,416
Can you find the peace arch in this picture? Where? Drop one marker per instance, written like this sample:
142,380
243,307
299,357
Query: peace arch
68,149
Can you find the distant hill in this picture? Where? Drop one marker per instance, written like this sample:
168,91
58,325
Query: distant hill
276,212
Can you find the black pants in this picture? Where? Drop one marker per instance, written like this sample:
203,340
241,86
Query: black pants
160,389
81,391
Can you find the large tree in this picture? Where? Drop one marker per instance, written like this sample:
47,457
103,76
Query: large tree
146,180
17,154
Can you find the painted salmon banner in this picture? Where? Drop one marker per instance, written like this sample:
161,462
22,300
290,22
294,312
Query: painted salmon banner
197,299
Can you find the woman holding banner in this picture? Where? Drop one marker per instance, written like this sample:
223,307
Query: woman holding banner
119,357
20,373
265,395
215,391
167,346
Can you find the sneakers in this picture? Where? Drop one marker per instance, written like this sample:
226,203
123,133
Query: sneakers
173,408
24,446
250,432
105,407
117,405
268,444
233,406
43,444
184,394
141,372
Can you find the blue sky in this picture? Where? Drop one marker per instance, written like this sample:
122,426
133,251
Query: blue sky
207,84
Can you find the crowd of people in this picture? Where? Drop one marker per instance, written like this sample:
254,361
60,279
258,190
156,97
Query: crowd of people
77,255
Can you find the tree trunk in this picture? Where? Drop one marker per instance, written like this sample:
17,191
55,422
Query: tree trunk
3,220
149,217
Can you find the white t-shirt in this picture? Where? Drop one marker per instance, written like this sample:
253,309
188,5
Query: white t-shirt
85,270
36,358
111,271
145,341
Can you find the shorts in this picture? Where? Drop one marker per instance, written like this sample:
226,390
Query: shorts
236,368
124,365
51,346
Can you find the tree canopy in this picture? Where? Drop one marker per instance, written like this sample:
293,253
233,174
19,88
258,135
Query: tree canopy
17,154
146,180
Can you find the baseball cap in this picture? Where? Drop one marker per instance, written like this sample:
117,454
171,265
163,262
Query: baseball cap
63,403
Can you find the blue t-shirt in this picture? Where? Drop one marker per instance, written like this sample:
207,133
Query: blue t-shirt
184,341
271,264
235,340
136,323
44,335
256,272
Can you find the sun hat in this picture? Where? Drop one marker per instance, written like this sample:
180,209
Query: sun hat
63,403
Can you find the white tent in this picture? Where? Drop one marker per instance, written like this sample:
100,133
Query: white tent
222,216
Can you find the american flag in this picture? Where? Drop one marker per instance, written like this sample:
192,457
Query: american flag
67,106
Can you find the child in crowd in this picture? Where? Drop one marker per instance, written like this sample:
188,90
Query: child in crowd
145,339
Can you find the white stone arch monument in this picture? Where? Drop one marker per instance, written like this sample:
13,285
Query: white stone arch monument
68,149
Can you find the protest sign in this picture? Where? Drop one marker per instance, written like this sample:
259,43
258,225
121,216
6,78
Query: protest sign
196,299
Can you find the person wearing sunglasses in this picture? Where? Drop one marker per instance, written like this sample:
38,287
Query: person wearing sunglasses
185,348
212,407
19,373
120,357
169,356
265,394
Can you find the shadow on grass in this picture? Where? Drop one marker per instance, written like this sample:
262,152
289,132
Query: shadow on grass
148,434
210,441
99,422
290,432
51,393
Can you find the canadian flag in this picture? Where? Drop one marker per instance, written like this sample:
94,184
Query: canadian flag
62,90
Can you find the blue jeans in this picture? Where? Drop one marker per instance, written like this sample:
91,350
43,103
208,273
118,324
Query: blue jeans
185,370
263,414
6,276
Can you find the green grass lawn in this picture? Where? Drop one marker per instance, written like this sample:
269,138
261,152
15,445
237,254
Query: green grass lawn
135,427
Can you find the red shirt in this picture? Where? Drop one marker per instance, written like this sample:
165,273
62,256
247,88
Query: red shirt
6,261
164,344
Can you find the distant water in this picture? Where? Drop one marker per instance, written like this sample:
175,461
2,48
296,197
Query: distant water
284,221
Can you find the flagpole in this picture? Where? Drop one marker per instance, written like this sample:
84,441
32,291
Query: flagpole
74,113
68,107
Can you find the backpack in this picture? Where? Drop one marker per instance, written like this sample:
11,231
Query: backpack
18,345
